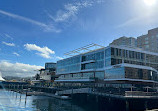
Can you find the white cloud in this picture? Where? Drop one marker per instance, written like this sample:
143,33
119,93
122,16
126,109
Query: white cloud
18,69
59,58
42,25
8,44
8,36
15,53
71,10
42,51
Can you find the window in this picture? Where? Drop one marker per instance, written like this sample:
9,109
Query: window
116,61
83,58
147,46
114,73
123,53
126,53
112,51
108,52
117,52
99,75
108,62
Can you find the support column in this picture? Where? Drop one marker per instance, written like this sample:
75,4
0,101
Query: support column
127,105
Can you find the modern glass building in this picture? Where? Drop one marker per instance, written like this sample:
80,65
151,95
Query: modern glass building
50,66
110,64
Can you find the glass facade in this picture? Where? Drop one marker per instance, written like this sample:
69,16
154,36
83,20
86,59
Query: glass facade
86,75
119,56
50,66
130,73
103,64
93,61
136,73
108,57
115,73
99,75
69,65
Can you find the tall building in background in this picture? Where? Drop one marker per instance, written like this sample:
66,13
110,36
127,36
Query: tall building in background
149,41
125,41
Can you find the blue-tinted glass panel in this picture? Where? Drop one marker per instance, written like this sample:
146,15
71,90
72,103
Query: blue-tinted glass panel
107,62
68,65
115,73
99,75
108,52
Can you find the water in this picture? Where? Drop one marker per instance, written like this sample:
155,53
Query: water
11,101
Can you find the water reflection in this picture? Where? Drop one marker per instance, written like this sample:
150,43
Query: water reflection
12,101
55,105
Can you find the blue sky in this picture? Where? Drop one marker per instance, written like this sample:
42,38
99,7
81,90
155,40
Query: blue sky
33,32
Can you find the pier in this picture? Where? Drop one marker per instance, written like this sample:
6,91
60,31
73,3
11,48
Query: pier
129,99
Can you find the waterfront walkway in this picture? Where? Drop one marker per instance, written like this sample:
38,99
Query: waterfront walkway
105,92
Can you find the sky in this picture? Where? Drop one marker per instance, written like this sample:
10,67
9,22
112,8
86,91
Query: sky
33,32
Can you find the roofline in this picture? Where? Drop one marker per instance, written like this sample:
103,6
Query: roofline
115,46
83,53
135,49
50,62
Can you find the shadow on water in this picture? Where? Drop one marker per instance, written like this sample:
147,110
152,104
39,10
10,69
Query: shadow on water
83,103
99,103
53,104
93,103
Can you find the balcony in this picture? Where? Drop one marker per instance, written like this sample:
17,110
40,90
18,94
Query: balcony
86,62
74,79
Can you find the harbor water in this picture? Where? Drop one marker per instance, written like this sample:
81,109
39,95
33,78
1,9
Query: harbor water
12,101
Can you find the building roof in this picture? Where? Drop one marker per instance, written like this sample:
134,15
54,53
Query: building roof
137,49
50,63
84,49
